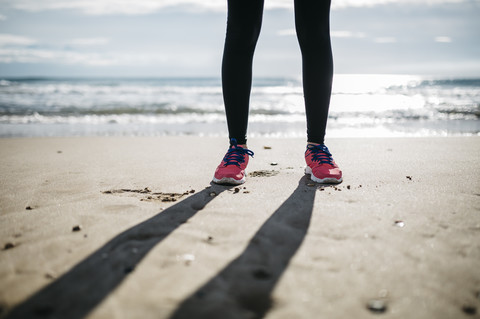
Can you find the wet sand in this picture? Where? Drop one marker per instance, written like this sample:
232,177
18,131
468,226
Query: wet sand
132,228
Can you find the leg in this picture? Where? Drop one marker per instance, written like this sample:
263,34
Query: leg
243,28
312,22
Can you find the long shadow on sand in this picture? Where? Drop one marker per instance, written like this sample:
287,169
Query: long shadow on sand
82,288
243,288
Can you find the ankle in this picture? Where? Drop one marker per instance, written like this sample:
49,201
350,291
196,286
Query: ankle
312,143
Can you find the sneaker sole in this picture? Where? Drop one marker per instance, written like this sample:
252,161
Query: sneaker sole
328,180
228,181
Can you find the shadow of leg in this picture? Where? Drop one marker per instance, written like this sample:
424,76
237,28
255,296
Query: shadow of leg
243,289
82,288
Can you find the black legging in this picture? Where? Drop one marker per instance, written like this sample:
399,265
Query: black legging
313,32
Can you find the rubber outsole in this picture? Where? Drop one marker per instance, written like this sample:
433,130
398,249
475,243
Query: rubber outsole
328,180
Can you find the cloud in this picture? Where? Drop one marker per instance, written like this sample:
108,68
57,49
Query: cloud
19,55
443,39
49,56
108,7
385,40
129,7
89,41
15,40
286,32
334,34
2,17
370,3
15,48
347,34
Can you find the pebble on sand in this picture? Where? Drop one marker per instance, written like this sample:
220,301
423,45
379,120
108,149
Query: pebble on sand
469,309
8,246
399,223
261,274
187,258
49,276
128,269
77,228
377,305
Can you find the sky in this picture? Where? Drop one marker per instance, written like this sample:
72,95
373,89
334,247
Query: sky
178,38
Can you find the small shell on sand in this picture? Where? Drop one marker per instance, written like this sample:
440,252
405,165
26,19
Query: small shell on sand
399,223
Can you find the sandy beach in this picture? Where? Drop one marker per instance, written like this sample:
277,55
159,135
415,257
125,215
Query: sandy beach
120,227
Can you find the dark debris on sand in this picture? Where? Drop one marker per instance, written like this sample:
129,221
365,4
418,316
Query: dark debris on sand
8,246
151,196
263,173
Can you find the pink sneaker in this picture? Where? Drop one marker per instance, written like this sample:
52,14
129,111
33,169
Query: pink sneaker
231,170
321,166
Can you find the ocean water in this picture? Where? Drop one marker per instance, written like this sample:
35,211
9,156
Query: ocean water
361,106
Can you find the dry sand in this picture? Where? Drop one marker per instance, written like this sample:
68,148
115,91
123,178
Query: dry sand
132,228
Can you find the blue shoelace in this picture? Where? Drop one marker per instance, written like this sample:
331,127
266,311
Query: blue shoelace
236,154
320,153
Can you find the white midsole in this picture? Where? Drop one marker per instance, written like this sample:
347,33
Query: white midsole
229,181
328,180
